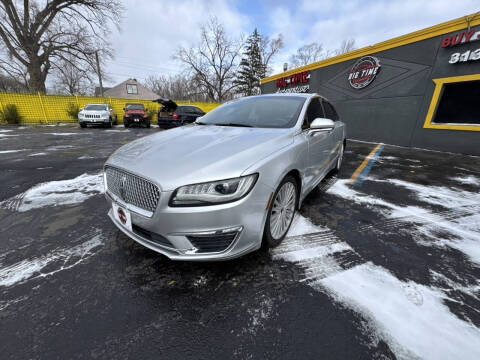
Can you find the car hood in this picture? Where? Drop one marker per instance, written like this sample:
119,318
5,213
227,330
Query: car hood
94,112
193,154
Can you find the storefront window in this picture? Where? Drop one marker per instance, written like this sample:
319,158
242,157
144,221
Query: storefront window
459,103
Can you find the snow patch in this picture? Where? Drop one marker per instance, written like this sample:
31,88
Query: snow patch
54,193
38,154
66,134
84,157
301,225
59,147
465,230
5,130
68,258
115,130
12,151
410,317
470,180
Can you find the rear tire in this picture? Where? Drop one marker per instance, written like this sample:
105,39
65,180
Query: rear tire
126,124
109,125
281,212
82,125
147,125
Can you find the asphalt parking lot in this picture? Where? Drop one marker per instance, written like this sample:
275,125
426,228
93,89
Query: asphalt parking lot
385,266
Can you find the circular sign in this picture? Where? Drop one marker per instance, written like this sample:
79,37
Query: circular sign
363,72
122,216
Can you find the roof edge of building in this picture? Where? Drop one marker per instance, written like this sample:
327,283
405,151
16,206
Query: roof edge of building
419,35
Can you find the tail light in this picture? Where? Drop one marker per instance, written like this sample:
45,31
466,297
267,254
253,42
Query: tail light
175,115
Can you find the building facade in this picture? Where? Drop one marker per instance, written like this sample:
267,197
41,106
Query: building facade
419,90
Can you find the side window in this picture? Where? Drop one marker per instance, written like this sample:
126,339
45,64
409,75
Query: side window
314,111
330,112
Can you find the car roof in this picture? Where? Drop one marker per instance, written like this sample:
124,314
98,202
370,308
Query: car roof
96,104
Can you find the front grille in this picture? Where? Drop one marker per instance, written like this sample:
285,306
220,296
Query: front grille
153,237
212,242
92,116
132,189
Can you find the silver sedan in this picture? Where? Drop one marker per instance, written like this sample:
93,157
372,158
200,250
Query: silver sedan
228,183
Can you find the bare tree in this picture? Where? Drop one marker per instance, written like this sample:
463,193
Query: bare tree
213,61
38,35
307,54
72,80
346,46
268,49
176,87
11,84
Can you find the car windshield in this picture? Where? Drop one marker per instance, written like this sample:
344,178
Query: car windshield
134,107
259,111
96,107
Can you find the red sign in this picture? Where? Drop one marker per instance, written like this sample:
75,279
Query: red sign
460,38
298,78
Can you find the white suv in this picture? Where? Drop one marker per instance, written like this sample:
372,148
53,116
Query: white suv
97,114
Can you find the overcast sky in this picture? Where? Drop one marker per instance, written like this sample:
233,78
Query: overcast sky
152,30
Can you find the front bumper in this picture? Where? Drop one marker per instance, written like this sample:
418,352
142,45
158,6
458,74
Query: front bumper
94,121
176,224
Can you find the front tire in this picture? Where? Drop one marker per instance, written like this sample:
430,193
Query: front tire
281,212
83,125
340,158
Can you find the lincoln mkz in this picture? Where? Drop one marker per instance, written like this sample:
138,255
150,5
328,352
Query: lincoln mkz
228,183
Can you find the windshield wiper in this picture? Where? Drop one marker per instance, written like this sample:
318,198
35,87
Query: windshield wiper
234,124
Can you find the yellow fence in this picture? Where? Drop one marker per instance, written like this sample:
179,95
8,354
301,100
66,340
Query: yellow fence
50,109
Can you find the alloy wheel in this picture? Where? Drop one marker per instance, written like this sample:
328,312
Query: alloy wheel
283,210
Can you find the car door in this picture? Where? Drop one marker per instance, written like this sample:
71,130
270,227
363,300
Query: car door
337,133
319,145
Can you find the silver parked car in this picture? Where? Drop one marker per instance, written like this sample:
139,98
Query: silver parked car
228,183
97,114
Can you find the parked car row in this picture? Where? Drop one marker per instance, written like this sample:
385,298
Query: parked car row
170,115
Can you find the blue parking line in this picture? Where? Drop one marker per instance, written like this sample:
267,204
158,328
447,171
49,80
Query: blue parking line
366,170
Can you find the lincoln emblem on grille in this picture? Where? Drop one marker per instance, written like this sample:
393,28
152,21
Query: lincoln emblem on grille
122,187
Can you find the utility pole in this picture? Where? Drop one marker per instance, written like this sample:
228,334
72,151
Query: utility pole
99,73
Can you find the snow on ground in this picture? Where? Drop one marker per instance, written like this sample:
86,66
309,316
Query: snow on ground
301,225
67,134
115,130
84,157
464,230
5,130
11,151
6,136
59,147
38,154
410,317
470,179
54,193
32,268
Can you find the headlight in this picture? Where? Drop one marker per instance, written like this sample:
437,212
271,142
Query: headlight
215,192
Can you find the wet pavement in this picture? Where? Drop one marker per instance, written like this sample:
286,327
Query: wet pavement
383,267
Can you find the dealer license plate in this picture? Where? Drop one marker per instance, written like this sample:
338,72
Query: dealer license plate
122,215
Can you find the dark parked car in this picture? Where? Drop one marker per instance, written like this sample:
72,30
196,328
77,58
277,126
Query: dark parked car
135,114
172,115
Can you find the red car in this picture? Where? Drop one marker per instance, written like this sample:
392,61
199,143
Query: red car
135,114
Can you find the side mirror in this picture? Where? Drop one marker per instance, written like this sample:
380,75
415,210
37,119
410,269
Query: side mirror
81,109
123,109
321,124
